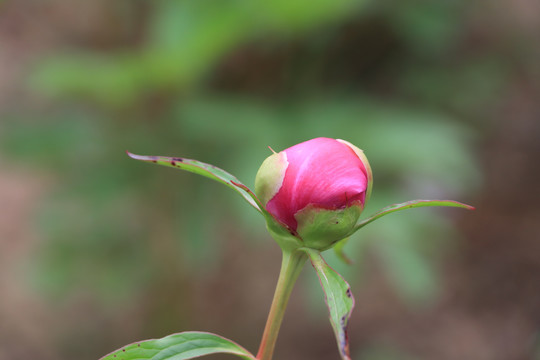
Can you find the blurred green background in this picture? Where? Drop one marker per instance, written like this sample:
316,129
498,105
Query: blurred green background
98,250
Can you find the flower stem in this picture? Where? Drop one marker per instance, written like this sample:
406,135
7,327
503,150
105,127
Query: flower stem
291,266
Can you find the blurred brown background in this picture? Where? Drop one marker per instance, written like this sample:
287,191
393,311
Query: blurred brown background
97,250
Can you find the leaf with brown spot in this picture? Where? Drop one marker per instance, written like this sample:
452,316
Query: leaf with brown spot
206,170
338,297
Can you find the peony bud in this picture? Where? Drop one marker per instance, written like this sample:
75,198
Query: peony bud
316,190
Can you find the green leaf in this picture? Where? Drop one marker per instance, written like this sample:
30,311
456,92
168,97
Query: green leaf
338,297
181,346
207,170
409,205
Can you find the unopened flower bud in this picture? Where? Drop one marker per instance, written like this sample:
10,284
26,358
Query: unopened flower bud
316,190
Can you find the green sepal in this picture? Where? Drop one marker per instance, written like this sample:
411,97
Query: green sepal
181,346
408,205
270,176
320,228
207,170
338,297
287,239
340,253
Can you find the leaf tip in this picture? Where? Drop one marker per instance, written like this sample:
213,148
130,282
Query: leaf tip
141,157
132,155
463,205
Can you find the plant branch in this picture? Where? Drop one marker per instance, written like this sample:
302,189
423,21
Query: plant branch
291,267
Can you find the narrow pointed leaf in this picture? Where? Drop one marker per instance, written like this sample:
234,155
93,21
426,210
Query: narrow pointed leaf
207,170
409,205
181,346
339,251
338,298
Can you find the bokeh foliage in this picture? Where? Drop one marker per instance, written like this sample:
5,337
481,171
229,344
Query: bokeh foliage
379,74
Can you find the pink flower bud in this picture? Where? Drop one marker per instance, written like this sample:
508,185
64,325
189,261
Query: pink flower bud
316,189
